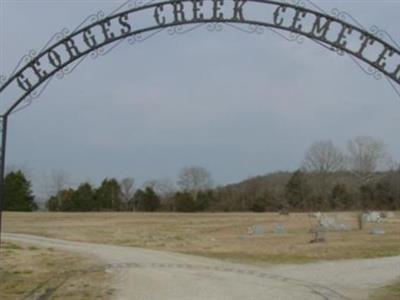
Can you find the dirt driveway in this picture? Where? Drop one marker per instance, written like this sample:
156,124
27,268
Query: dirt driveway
147,274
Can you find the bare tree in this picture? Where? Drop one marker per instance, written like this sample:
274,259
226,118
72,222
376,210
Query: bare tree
391,164
324,157
127,191
366,156
194,179
58,181
164,187
55,182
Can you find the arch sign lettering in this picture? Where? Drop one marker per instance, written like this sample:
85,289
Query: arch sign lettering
374,50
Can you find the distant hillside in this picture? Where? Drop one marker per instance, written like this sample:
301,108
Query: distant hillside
311,191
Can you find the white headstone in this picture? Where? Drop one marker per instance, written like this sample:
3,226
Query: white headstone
372,217
280,229
377,231
256,230
332,224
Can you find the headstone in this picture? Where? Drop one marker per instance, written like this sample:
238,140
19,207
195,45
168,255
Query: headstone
327,223
377,231
372,217
333,224
280,229
257,230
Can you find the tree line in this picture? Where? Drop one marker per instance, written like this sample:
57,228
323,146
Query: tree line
361,177
194,194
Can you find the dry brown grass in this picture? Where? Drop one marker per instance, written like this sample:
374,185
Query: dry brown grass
390,292
30,272
221,235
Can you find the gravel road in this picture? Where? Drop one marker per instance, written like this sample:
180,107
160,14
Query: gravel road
147,274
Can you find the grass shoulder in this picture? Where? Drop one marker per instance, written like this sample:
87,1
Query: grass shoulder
43,273
389,292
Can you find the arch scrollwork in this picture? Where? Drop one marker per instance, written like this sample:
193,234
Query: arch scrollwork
136,21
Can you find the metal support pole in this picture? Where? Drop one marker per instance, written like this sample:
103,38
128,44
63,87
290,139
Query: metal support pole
3,124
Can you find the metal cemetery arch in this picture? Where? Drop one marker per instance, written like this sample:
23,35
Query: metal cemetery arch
65,50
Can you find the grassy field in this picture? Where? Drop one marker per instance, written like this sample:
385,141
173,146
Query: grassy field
390,292
220,235
28,272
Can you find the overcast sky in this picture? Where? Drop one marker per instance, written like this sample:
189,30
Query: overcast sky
238,104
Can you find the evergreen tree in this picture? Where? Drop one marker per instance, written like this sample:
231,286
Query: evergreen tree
184,202
62,201
52,204
18,193
367,196
298,192
82,199
204,200
108,195
385,196
265,202
146,200
340,198
259,205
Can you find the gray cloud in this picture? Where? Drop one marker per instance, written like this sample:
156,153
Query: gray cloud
235,103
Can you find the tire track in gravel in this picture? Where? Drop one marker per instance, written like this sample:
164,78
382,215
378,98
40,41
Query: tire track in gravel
149,274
